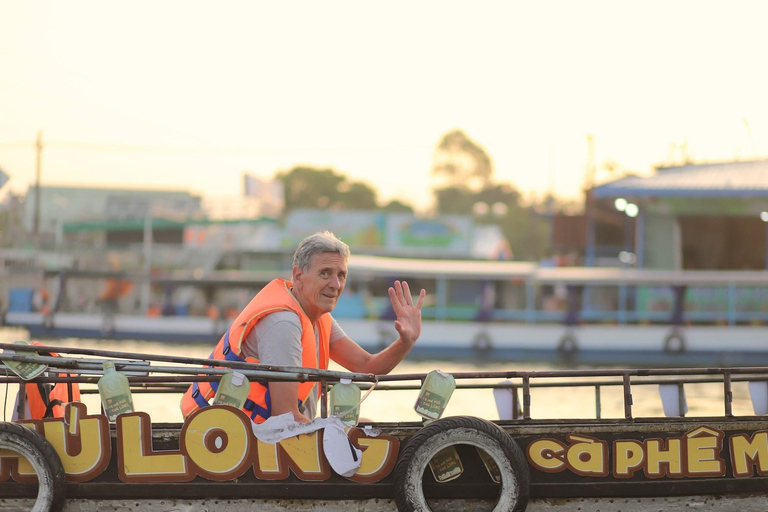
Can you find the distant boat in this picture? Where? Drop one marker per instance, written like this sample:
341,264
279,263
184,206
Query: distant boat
497,310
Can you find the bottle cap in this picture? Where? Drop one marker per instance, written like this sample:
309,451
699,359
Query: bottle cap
345,381
109,364
237,378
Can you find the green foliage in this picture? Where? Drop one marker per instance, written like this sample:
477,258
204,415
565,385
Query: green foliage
396,206
307,187
359,196
525,228
4,231
462,201
462,162
528,232
468,189
455,200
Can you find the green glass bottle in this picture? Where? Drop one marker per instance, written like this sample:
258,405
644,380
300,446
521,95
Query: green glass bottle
233,390
345,401
115,392
26,371
434,395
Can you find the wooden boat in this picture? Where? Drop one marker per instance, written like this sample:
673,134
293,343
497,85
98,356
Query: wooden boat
216,461
495,310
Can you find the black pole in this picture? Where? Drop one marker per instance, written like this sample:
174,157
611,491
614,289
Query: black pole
38,165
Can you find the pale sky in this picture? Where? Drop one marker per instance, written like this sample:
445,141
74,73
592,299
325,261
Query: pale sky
191,94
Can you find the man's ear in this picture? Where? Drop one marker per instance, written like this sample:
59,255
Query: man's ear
296,273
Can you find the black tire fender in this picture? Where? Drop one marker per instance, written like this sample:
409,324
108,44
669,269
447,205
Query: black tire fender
51,491
455,430
482,343
108,326
674,343
568,345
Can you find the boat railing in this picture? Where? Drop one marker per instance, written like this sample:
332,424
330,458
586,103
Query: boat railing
627,379
71,364
592,295
174,374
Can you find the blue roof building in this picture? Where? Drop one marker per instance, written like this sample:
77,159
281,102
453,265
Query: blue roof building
694,216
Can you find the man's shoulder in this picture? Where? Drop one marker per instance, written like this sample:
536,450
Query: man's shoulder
285,316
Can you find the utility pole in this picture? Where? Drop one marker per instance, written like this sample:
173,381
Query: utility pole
591,167
147,252
589,202
749,138
39,152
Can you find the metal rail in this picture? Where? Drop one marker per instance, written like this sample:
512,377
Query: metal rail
176,378
308,372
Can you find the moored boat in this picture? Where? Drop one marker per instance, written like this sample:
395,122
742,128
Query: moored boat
216,460
497,310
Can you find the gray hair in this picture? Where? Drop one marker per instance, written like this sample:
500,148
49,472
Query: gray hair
320,242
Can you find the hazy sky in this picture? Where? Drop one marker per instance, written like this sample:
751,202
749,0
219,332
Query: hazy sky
191,94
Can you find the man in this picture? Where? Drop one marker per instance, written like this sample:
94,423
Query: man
288,323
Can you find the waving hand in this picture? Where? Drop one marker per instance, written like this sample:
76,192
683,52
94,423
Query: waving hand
408,323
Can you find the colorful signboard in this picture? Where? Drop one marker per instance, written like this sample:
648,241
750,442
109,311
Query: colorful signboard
216,443
698,453
359,229
448,234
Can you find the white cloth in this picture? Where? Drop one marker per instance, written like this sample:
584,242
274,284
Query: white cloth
342,455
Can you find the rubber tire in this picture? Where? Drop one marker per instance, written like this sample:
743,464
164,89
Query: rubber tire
482,343
669,349
515,476
52,489
108,327
568,346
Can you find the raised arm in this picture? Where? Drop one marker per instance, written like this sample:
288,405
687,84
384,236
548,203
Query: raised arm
354,358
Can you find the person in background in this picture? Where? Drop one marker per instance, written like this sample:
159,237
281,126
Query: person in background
114,287
289,323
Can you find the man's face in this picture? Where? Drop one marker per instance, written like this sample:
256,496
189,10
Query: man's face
318,289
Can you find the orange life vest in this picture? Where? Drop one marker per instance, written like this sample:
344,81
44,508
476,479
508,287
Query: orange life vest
115,288
46,401
274,297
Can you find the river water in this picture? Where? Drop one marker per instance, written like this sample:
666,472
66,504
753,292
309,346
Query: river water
546,403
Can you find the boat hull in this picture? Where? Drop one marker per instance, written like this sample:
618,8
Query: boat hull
566,459
711,503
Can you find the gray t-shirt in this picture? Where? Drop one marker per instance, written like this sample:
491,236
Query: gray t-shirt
276,340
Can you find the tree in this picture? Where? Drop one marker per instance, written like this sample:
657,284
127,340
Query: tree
358,196
307,187
459,200
526,230
397,206
461,162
